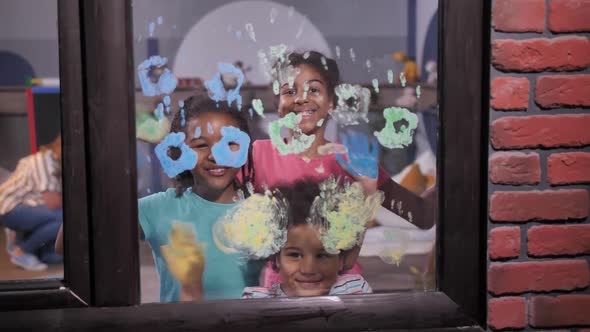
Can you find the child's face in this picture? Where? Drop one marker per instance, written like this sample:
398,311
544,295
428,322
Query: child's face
314,104
305,267
210,177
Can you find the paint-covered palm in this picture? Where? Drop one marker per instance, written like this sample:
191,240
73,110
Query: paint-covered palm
362,155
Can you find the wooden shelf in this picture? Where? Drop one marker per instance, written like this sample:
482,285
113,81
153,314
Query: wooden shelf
386,97
13,100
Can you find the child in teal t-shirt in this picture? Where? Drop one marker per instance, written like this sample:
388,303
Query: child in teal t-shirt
204,151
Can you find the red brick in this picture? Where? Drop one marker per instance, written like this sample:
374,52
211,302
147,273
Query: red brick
504,242
507,312
507,15
541,54
539,276
554,240
521,206
515,168
569,15
546,131
510,93
563,90
568,167
562,310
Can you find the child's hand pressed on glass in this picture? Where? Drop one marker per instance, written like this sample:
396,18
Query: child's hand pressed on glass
363,160
184,255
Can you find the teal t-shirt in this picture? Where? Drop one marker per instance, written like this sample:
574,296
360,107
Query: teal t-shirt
225,276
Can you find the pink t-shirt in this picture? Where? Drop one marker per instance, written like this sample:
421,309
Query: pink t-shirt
273,170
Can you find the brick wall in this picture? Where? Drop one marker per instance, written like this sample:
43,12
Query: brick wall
539,166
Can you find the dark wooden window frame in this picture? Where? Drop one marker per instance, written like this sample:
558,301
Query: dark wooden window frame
75,290
101,286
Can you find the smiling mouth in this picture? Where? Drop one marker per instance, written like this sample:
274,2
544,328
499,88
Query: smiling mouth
309,283
306,113
219,171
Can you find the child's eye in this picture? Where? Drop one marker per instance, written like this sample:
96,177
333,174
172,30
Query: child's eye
233,146
324,255
314,90
288,92
294,254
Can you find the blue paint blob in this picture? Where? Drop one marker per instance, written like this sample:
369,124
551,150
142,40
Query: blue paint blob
217,90
166,101
152,27
181,103
251,112
166,82
182,119
222,152
160,111
160,20
197,132
233,94
209,128
363,156
188,157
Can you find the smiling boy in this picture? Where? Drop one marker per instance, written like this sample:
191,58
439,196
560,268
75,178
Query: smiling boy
306,267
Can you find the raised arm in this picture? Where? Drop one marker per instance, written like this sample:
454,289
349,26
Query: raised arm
362,163
418,210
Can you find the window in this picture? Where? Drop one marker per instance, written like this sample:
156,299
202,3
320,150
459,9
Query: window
365,95
101,70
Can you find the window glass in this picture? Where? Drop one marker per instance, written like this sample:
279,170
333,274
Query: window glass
30,141
285,148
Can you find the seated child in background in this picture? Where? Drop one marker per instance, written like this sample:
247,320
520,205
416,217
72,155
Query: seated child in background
31,204
206,148
303,229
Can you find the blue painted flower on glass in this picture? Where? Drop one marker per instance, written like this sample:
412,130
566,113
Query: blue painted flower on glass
222,152
155,79
186,161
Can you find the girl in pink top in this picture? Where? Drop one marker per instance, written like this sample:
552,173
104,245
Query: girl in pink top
312,95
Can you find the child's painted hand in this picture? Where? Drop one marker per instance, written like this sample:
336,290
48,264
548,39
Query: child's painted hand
184,255
166,82
363,160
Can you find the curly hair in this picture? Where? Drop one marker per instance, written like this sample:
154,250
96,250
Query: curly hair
193,107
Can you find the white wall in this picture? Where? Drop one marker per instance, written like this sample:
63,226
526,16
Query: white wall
29,28
28,19
374,28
